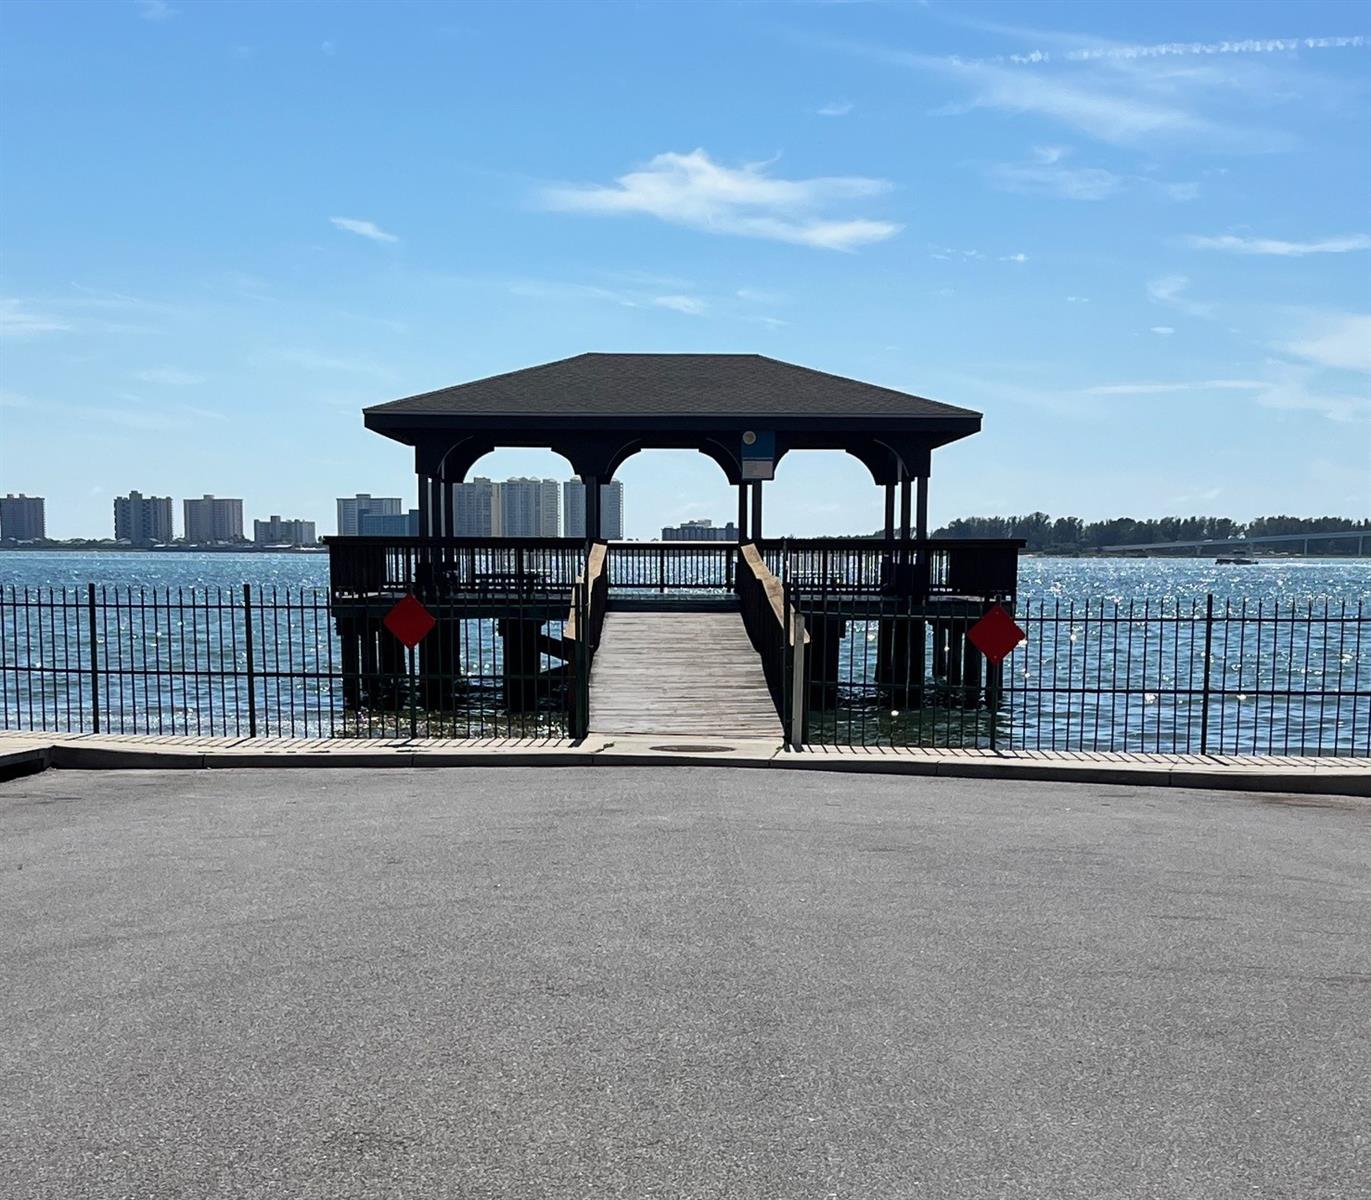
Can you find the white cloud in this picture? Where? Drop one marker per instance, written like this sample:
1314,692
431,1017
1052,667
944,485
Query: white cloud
1021,257
837,109
1171,289
364,229
758,296
17,321
1254,245
172,376
156,10
1163,330
1339,340
1078,299
694,191
682,304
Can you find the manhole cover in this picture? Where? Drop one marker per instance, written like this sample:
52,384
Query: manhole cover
690,749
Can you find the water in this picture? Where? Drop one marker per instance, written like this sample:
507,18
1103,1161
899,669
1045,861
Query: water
1298,580
1115,658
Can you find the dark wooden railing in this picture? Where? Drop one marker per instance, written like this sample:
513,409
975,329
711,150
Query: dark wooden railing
771,624
983,568
434,568
672,566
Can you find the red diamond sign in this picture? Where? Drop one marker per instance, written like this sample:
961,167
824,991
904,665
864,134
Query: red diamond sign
995,634
409,621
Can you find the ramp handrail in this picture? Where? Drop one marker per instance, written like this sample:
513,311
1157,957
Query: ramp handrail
770,621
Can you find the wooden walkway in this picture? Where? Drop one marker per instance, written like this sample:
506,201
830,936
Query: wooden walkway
680,675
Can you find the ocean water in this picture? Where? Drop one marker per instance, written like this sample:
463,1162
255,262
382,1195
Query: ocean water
1286,580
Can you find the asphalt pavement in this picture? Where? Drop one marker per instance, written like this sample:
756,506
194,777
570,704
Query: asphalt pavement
684,982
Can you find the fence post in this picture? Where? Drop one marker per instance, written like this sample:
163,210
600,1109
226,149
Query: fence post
413,699
247,640
94,661
1204,701
797,676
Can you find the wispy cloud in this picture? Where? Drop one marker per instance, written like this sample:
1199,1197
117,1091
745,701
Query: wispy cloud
1126,94
19,321
694,191
1162,330
1128,53
1255,245
836,109
691,305
1162,389
1171,290
1020,257
172,376
1291,388
311,360
1338,340
1070,183
1049,175
366,229
156,10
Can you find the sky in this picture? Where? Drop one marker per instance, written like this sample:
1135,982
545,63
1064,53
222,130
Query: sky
1136,236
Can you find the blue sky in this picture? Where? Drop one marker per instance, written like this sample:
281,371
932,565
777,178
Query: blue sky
1136,236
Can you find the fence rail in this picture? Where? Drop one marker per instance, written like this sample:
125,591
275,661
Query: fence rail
1199,676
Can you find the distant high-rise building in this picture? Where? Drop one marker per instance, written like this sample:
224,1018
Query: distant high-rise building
213,519
530,508
351,508
703,530
476,508
142,520
22,518
611,509
398,524
290,532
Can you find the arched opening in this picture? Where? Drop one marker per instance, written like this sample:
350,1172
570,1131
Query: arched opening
513,492
671,489
822,493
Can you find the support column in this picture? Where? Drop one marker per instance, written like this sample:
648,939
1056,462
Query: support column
921,509
742,513
425,506
756,510
592,489
889,514
904,507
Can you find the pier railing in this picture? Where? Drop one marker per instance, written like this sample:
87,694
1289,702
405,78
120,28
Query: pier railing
983,567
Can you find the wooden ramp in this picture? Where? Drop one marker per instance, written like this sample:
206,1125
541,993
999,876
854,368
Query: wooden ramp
682,675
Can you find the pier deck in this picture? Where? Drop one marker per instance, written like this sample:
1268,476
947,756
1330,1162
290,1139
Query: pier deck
680,675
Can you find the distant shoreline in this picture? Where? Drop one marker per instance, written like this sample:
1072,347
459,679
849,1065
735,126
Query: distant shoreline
247,549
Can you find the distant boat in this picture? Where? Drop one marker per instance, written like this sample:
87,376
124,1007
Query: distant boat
1236,561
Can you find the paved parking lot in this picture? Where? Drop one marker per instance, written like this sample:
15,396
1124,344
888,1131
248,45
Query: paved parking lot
585,982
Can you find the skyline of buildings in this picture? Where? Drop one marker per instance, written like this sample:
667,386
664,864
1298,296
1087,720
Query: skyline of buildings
22,518
211,519
351,509
143,520
611,509
288,532
700,530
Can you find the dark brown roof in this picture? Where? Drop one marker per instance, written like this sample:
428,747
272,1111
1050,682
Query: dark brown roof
669,385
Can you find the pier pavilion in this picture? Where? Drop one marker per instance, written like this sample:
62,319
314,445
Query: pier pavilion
547,599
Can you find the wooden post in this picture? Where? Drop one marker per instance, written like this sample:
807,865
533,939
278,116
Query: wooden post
798,696
756,510
742,513
592,490
889,514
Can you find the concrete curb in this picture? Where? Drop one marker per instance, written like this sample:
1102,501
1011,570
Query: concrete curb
1314,779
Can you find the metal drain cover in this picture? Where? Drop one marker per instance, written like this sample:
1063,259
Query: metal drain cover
693,749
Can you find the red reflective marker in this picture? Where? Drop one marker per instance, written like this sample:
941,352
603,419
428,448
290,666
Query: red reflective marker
995,634
409,621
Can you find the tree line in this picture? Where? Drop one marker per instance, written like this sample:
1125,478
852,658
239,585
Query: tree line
1072,534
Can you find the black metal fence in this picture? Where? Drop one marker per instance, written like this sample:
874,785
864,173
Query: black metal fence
1200,676
229,662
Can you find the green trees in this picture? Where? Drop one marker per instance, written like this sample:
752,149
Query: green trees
1072,535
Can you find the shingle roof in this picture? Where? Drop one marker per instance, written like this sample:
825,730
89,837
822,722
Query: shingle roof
669,385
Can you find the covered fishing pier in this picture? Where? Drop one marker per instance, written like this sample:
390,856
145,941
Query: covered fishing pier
545,601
